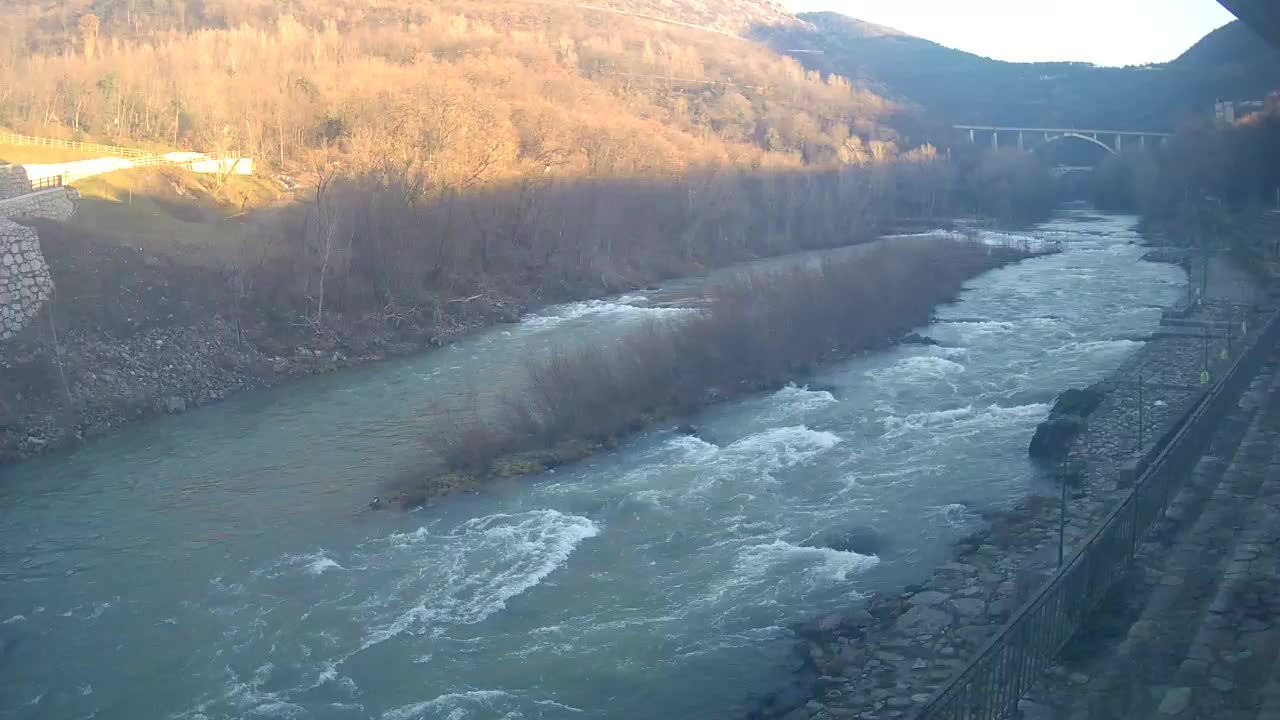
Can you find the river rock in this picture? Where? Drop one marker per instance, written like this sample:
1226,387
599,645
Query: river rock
1054,436
927,598
918,339
923,619
1078,402
968,607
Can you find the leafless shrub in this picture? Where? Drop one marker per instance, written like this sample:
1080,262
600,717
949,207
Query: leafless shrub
760,330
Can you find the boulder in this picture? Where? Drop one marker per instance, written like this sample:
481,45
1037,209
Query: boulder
1054,436
1077,402
922,619
968,607
918,339
927,598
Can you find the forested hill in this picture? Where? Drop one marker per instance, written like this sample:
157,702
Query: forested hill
1229,64
478,90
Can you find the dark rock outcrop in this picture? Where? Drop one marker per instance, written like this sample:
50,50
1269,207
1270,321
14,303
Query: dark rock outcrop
918,339
1078,402
1054,437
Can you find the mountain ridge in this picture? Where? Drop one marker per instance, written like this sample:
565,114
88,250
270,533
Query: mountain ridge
1230,63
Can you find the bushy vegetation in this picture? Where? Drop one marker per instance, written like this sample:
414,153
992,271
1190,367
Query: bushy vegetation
459,154
1200,180
758,330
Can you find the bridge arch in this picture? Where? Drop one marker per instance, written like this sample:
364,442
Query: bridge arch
1076,136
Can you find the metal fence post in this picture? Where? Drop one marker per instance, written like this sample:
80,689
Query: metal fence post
1140,414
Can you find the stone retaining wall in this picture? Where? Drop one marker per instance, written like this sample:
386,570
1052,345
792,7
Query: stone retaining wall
55,204
25,282
13,181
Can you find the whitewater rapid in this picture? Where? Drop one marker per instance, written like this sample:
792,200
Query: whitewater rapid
216,564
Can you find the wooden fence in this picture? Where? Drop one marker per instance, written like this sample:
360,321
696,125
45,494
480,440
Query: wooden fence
8,138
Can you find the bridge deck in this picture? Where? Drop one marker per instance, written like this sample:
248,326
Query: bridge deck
1126,133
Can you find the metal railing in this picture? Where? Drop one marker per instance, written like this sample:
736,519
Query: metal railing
9,138
990,685
48,183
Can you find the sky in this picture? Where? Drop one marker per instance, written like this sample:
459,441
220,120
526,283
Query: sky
1103,32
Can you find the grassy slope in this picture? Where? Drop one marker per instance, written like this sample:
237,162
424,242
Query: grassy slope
168,211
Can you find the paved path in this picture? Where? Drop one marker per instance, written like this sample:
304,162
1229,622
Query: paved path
1195,633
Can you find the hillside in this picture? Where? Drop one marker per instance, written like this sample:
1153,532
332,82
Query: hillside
581,90
955,86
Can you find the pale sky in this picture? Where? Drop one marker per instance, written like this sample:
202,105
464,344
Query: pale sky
1104,32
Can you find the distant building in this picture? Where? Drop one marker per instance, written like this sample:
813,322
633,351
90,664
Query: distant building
1224,113
1227,112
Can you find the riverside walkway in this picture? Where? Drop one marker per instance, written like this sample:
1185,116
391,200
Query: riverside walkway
1195,632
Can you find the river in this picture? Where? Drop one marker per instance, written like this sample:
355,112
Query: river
218,565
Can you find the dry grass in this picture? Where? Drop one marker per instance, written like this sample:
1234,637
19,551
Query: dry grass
30,154
171,212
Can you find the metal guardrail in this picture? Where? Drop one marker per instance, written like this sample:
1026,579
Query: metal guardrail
9,138
990,685
48,183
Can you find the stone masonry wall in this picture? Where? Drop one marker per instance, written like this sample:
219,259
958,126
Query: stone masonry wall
13,181
56,204
25,282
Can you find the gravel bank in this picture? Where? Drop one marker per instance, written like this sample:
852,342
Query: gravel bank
885,658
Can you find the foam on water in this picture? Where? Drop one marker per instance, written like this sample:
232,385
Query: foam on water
473,570
965,420
954,514
792,401
319,562
623,308
458,705
824,564
917,368
777,448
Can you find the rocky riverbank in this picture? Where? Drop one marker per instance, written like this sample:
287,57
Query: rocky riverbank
885,658
55,396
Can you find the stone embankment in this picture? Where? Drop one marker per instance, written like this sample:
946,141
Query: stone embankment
886,658
1194,632
25,282
167,369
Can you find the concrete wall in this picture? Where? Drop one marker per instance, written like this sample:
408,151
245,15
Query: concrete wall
76,170
80,169
25,282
